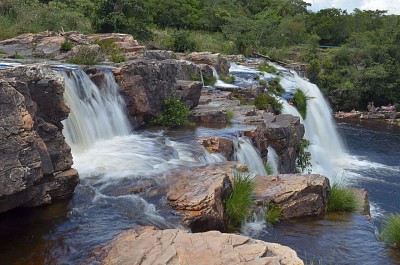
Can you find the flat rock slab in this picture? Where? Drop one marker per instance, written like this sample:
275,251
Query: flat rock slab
198,194
173,246
363,200
296,195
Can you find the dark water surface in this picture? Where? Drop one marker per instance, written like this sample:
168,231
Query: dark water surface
66,232
347,239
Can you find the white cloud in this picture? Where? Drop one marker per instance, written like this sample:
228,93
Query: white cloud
393,6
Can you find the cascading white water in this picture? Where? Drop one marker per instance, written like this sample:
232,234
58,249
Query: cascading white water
326,146
246,153
96,114
273,160
219,82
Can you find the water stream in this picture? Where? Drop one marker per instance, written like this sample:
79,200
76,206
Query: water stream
113,161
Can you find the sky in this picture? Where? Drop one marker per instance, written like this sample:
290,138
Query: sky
393,6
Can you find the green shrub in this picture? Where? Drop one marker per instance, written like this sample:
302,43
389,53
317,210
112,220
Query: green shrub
66,46
209,80
342,199
276,88
84,55
107,46
196,77
229,115
303,160
300,101
2,52
227,78
17,56
182,42
265,67
391,230
273,214
239,203
117,57
262,101
173,113
263,83
268,169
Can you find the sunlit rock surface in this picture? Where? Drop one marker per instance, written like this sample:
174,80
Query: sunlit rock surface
150,246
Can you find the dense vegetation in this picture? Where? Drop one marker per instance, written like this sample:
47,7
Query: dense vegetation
391,230
174,113
364,65
342,199
238,205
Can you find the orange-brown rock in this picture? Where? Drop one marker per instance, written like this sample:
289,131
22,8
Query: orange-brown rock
213,59
198,194
296,195
362,197
177,247
220,145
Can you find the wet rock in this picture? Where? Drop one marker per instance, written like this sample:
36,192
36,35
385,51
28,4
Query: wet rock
198,194
220,145
284,133
213,59
259,141
189,92
208,115
296,195
150,246
363,199
146,83
35,161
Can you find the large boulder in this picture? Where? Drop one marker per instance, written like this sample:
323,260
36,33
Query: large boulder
146,83
173,246
296,195
213,59
198,194
284,133
35,161
219,145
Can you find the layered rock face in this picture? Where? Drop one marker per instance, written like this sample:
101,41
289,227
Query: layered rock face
145,83
214,59
35,161
198,194
150,246
296,195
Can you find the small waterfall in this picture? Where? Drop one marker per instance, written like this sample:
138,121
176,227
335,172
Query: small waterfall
219,82
96,114
246,153
273,160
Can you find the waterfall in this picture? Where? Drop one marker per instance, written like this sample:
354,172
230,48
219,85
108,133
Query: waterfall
326,146
273,160
219,82
96,114
246,153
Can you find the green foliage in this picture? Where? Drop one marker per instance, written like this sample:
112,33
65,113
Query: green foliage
230,115
195,77
300,101
239,203
342,199
182,42
268,169
275,87
2,52
66,46
265,67
174,113
85,56
303,161
390,233
263,83
262,101
273,214
209,80
227,78
17,56
117,57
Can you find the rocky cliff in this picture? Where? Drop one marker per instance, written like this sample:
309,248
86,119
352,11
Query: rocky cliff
35,161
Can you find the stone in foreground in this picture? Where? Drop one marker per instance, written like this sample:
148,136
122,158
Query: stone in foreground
173,246
296,195
198,194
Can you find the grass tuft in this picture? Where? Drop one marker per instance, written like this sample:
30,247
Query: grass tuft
229,115
342,199
265,67
391,230
300,101
229,79
66,46
238,205
273,214
85,56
